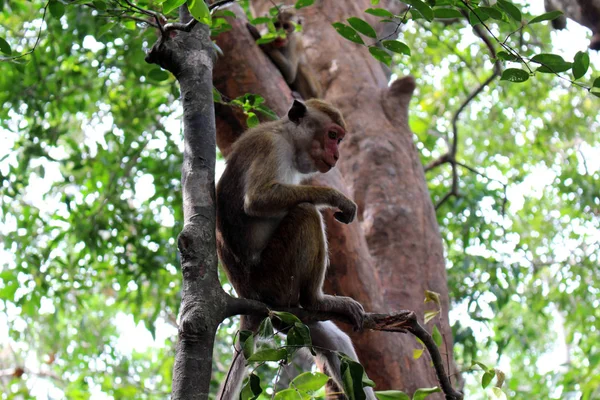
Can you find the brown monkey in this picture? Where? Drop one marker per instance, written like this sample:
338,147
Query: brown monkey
288,55
270,234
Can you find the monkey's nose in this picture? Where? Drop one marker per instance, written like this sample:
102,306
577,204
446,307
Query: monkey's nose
336,156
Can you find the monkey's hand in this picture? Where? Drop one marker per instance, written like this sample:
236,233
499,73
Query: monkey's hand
354,310
347,211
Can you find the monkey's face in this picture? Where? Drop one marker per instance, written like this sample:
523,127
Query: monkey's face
326,147
288,27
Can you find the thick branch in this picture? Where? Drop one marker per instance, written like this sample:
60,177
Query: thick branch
403,321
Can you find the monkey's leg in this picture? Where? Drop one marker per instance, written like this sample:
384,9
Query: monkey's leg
327,336
230,388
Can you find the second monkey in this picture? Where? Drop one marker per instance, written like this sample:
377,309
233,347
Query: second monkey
288,55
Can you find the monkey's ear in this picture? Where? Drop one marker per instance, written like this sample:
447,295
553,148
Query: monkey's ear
297,112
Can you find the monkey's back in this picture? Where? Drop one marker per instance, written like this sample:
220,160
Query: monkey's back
234,226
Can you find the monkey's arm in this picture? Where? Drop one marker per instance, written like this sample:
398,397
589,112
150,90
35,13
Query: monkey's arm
266,196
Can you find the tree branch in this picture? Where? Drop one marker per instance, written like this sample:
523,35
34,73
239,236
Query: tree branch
403,321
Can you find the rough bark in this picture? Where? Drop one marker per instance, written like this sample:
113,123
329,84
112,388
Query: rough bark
190,57
394,253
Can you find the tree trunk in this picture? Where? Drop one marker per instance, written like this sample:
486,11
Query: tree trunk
393,253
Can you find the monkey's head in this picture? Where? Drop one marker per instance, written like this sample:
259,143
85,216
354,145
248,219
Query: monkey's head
284,22
321,129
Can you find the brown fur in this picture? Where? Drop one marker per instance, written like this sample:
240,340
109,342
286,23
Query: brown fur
290,59
270,234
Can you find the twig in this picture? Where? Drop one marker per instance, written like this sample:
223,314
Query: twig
37,40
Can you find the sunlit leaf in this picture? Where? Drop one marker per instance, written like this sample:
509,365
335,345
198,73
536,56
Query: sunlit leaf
417,353
199,10
288,394
170,5
391,395
422,7
158,74
396,46
437,336
268,355
303,3
286,317
252,120
497,394
309,381
514,75
487,378
422,393
429,315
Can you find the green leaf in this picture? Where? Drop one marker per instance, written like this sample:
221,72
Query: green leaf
299,335
487,378
396,46
158,75
268,355
286,317
362,26
477,16
100,5
429,315
352,374
288,394
251,389
503,55
422,7
549,16
374,2
170,5
252,120
391,395
481,365
437,336
417,353
224,13
380,55
420,394
497,394
199,10
303,3
265,329
247,345
5,47
514,75
596,82
597,94
379,12
57,9
581,64
267,111
217,98
446,13
433,297
551,63
104,29
309,381
348,32
492,12
511,10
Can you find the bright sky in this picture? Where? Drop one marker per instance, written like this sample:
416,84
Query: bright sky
137,337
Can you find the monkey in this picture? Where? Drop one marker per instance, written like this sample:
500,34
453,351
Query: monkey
270,234
287,53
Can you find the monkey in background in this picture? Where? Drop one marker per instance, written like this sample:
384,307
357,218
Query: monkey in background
270,234
288,55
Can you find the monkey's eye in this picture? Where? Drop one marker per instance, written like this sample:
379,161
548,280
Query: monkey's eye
286,26
339,140
332,135
277,25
